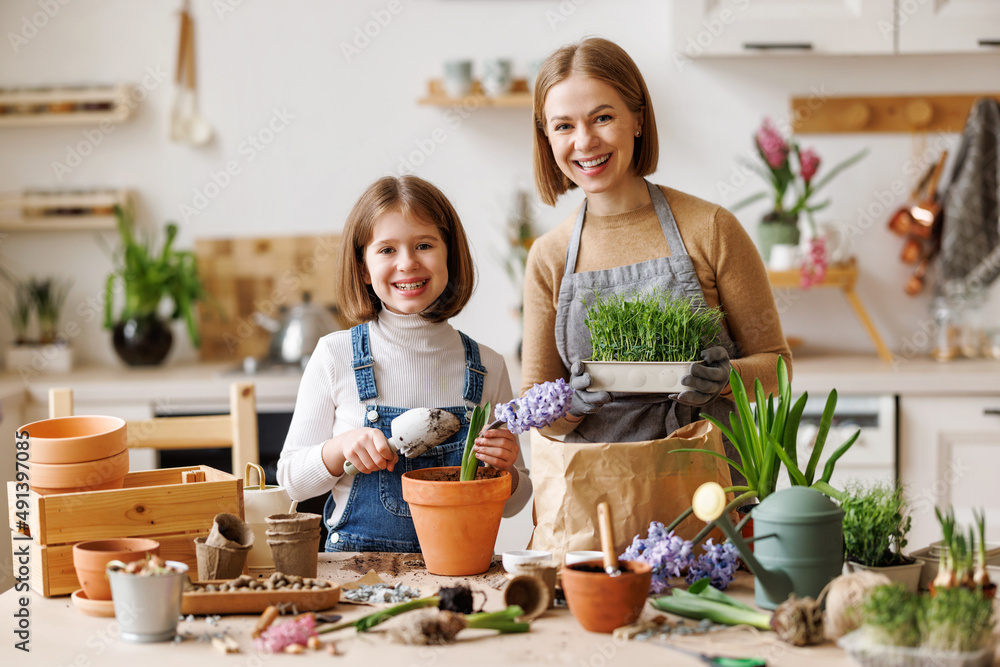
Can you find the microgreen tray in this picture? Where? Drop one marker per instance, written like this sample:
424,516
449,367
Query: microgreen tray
867,654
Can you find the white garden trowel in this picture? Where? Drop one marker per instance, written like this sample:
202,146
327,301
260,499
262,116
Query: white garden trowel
417,430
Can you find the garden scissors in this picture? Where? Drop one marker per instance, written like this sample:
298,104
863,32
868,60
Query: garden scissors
718,660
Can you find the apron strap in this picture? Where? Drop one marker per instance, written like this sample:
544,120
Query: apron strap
475,372
663,213
362,362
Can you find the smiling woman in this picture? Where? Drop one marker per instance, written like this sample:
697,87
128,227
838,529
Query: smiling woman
595,130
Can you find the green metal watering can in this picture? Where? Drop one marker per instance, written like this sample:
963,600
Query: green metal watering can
798,538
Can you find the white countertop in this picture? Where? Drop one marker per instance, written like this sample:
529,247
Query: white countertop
206,383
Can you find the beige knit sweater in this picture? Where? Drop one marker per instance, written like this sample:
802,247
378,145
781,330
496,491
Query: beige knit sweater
728,265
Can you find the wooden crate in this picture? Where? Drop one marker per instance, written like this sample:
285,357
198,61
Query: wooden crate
153,504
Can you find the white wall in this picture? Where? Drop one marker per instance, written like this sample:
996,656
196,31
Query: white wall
353,120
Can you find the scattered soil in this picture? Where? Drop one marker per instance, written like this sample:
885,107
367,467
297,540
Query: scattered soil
451,474
383,563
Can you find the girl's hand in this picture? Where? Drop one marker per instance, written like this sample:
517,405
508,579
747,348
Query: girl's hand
498,448
367,448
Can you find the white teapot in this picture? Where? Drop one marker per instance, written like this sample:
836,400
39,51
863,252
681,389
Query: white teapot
259,502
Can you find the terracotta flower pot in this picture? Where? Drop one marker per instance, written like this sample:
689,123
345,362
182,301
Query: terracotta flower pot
106,473
91,558
75,439
456,522
600,602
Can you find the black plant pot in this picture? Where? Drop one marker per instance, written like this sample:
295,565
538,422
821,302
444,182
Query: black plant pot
142,341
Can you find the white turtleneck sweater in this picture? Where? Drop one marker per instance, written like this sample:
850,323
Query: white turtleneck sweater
417,364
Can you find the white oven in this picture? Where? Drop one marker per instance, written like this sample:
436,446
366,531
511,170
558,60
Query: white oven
872,458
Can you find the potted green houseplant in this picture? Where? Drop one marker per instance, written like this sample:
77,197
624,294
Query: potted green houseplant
876,521
766,438
148,277
645,341
34,316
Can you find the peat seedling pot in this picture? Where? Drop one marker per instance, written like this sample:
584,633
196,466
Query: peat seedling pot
294,542
456,522
601,602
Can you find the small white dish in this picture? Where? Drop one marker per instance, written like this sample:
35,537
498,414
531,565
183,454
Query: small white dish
511,559
574,557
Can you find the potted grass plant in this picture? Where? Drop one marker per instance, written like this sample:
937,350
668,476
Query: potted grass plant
38,344
876,521
645,341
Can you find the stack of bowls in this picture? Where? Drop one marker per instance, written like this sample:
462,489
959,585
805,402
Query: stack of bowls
71,454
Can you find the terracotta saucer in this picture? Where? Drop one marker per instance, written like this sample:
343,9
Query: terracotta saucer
93,607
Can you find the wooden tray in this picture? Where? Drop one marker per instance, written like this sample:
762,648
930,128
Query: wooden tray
254,602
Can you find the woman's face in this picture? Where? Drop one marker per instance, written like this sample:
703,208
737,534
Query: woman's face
591,132
406,263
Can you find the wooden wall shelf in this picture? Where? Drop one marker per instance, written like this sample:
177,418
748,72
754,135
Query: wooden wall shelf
904,113
843,276
519,96
85,210
65,106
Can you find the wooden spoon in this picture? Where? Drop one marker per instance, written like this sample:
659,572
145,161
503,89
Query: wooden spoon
607,541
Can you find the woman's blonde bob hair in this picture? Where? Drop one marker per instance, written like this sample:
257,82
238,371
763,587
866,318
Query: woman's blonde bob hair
417,200
604,60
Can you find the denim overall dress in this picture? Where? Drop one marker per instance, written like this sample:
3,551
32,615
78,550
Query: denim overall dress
631,417
376,518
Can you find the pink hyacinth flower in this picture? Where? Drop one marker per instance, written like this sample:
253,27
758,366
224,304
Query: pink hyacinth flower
281,635
772,145
810,164
813,270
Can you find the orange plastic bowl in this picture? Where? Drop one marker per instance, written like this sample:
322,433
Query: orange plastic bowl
75,439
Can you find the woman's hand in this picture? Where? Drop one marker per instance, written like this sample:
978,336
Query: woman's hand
367,448
706,381
498,448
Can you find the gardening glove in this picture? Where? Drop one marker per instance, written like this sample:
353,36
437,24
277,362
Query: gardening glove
705,381
584,402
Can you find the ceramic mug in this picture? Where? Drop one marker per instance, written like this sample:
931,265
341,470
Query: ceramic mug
458,77
497,79
837,242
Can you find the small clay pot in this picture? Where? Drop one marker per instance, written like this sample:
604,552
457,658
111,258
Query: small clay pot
600,602
106,473
216,562
75,439
90,559
530,594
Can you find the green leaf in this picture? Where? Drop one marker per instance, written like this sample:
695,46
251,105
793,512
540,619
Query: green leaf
790,443
711,453
824,428
794,473
829,176
832,461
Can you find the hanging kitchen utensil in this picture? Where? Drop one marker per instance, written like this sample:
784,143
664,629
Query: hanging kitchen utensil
607,540
177,126
295,335
197,128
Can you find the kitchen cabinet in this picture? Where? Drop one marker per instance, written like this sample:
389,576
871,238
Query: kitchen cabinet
748,27
956,26
951,457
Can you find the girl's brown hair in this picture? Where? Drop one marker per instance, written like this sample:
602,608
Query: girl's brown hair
604,60
415,199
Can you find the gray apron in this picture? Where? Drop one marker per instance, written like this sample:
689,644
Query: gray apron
632,417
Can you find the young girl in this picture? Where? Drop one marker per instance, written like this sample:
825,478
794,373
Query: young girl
405,269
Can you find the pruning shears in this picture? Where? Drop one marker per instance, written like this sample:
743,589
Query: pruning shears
718,660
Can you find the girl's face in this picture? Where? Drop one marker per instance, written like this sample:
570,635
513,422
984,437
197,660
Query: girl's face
592,133
406,263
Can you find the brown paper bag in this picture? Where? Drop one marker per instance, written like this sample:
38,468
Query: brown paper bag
641,481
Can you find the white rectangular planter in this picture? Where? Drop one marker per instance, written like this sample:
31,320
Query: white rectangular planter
35,359
653,377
